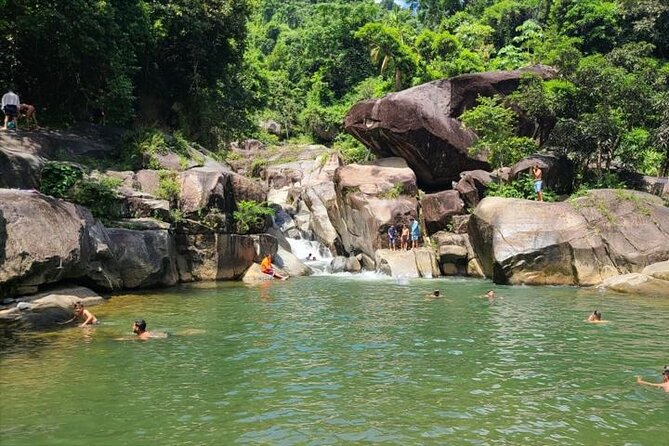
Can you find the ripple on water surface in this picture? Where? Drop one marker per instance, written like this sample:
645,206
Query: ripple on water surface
336,360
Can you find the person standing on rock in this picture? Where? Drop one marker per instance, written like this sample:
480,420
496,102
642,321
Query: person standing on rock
415,233
538,182
405,237
10,107
392,237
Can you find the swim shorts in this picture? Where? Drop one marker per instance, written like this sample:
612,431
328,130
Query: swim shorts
11,110
537,185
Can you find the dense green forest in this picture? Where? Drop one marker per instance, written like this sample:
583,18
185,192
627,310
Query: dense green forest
215,69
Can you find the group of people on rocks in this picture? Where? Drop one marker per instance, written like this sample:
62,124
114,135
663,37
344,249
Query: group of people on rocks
406,232
14,109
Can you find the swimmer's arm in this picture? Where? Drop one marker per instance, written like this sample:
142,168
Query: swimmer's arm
68,321
640,381
89,319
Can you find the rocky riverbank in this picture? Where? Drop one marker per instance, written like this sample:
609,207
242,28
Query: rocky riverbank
177,212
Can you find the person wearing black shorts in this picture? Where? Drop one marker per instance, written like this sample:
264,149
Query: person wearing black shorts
10,107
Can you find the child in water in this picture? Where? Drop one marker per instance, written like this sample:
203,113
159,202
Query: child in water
81,312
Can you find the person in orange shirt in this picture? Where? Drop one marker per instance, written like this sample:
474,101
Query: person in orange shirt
266,268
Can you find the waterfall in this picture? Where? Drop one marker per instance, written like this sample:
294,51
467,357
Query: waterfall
320,255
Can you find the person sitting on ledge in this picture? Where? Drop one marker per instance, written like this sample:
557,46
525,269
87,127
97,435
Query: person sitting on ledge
80,312
139,328
665,380
266,268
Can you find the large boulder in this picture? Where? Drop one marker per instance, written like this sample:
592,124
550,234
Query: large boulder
414,263
472,186
456,255
652,281
420,124
244,188
45,240
208,255
581,242
145,258
290,264
439,208
637,283
46,309
203,188
380,177
19,169
369,198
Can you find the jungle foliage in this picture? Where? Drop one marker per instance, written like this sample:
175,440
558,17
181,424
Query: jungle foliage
215,69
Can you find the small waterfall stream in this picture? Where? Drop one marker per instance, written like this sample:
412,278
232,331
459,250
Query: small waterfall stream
313,253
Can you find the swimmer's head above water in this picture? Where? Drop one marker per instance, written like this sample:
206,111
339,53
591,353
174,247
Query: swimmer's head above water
139,326
665,374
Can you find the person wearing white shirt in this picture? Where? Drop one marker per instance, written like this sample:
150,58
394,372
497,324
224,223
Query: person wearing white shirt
10,106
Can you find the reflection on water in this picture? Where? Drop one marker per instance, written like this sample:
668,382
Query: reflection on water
333,360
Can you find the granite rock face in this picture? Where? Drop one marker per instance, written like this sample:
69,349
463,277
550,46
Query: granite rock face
421,124
582,242
44,240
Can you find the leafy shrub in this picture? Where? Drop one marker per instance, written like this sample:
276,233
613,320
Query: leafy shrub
100,197
607,180
394,192
140,147
58,178
168,187
521,188
351,150
257,166
250,216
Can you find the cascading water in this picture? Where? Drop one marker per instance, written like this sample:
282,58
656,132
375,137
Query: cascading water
313,253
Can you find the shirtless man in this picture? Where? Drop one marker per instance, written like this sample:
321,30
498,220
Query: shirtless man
490,295
538,183
595,317
29,113
665,380
436,294
81,312
139,328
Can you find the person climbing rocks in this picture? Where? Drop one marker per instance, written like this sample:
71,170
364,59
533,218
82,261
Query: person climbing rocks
28,112
266,268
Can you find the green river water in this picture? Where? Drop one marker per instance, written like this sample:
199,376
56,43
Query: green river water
344,360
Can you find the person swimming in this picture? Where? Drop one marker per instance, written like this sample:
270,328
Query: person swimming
81,312
436,294
665,380
595,317
139,328
490,295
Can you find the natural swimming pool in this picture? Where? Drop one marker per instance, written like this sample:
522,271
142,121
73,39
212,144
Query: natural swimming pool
345,360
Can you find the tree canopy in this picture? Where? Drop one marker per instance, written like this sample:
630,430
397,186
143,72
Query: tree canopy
215,69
